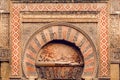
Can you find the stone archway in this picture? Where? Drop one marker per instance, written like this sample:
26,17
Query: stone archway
60,31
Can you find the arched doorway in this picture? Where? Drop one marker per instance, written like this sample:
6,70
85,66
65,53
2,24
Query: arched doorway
59,59
55,33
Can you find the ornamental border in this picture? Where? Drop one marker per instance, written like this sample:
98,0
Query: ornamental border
15,24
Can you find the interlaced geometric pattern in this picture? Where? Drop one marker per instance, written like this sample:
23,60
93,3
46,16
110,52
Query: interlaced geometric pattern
15,41
104,42
103,29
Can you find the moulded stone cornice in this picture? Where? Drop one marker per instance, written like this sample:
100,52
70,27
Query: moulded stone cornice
59,1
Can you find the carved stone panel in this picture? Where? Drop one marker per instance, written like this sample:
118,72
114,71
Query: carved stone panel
4,55
4,5
114,31
115,6
115,55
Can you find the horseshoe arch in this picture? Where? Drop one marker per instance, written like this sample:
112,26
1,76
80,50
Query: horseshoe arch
60,31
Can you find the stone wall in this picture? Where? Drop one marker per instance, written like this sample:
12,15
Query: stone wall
4,40
27,29
115,46
115,39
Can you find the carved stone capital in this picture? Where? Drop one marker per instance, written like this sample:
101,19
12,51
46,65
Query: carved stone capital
4,54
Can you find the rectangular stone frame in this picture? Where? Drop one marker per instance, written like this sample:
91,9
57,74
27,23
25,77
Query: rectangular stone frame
15,32
31,17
